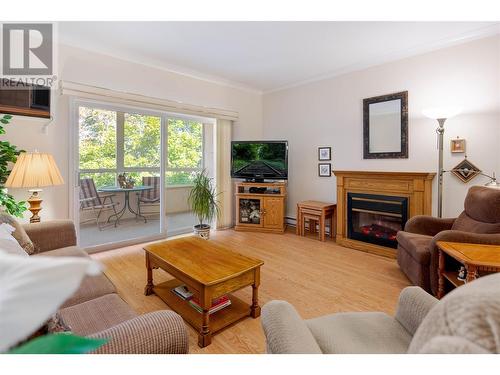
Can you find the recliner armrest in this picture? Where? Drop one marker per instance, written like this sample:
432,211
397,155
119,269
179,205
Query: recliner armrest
159,332
286,332
428,225
413,305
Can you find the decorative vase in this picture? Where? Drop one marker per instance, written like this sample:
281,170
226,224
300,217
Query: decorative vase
202,231
122,181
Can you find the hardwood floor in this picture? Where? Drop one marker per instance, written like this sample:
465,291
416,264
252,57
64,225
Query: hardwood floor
318,278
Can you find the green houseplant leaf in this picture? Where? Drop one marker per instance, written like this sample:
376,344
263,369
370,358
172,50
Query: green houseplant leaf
8,154
59,343
203,199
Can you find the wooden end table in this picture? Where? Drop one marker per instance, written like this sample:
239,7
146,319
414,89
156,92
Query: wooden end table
316,211
209,270
476,258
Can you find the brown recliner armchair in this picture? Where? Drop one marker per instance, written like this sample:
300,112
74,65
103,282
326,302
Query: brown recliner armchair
478,223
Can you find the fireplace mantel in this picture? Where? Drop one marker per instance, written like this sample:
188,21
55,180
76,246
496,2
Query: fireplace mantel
416,186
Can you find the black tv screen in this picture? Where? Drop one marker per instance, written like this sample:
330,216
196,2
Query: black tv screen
258,160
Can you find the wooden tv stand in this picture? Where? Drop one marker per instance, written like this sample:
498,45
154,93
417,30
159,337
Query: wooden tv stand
260,211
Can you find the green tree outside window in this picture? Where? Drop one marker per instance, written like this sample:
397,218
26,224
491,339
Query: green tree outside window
141,146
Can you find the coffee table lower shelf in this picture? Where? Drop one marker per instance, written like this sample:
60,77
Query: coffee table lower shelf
218,320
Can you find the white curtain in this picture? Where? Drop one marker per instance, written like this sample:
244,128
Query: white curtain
224,186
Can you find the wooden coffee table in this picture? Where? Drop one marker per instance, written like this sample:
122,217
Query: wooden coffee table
209,270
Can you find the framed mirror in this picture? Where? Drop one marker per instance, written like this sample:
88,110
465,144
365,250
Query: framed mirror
385,126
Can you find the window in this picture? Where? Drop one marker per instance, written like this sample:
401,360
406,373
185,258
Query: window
141,141
97,144
185,151
97,138
113,142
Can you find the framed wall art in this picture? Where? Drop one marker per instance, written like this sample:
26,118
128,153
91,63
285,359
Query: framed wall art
458,146
324,153
324,169
465,170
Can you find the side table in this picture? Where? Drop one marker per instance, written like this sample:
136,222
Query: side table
478,260
315,211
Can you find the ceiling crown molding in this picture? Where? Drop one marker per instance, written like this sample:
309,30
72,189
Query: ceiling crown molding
220,81
481,33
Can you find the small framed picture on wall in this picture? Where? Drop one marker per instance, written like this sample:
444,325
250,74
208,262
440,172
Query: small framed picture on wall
458,146
324,169
324,153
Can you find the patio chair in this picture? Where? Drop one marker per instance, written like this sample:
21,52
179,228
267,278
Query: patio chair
149,197
91,200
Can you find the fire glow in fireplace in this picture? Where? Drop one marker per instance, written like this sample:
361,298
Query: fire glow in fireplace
376,218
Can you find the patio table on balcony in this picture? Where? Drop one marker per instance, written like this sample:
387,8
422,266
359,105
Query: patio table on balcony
126,203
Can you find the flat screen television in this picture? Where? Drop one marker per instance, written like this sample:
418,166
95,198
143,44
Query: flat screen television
259,160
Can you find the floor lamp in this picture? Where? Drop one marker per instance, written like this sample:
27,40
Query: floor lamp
441,115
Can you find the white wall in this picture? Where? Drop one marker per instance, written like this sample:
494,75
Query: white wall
104,71
329,113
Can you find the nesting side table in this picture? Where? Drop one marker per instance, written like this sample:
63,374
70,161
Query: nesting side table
316,212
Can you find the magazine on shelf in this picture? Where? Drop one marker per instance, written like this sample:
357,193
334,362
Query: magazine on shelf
217,304
183,292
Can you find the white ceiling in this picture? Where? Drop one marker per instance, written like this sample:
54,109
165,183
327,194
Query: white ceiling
267,56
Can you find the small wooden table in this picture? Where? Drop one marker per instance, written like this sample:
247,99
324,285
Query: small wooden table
476,259
316,211
209,270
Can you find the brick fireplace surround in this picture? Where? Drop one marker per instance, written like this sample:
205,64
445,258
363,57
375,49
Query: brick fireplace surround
414,188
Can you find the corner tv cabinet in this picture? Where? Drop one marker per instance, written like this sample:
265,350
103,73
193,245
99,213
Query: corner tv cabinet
260,207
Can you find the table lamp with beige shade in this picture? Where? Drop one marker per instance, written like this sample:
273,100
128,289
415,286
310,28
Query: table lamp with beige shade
34,170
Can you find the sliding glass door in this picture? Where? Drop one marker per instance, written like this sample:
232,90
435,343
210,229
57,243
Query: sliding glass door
184,158
120,190
133,172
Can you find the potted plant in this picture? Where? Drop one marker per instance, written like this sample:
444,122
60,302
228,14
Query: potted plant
8,156
204,203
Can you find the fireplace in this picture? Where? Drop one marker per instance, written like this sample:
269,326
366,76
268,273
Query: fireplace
372,226
376,218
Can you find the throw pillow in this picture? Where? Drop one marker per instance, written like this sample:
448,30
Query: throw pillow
8,243
19,234
33,288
